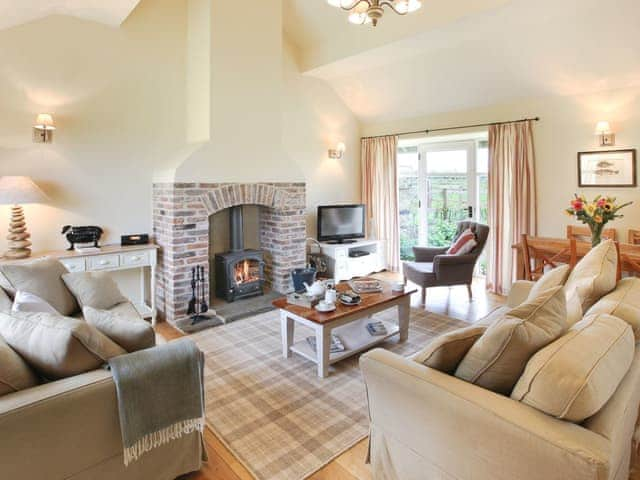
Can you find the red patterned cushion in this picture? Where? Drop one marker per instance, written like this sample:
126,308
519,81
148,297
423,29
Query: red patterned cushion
463,244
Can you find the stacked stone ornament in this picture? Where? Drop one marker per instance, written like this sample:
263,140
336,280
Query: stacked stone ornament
18,238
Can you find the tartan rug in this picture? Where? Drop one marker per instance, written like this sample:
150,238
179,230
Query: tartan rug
278,418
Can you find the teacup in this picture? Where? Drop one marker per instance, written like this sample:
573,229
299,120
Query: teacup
324,305
397,286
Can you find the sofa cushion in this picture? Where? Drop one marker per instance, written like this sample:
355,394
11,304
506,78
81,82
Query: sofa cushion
94,289
5,302
57,346
15,374
42,278
574,377
445,352
29,302
623,302
552,278
129,331
498,358
593,277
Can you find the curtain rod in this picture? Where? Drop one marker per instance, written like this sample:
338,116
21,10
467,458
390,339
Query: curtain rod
460,127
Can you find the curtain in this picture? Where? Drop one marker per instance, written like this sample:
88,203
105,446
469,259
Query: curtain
380,194
512,198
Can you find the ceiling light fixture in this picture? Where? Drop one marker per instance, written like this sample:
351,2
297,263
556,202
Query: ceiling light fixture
371,11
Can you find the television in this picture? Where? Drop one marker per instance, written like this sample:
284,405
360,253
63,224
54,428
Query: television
341,223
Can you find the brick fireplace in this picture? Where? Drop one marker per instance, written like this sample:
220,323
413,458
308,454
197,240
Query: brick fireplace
181,214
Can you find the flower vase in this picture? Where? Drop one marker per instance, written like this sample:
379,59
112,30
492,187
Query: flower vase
596,234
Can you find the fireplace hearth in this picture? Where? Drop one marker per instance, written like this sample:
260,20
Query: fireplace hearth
239,273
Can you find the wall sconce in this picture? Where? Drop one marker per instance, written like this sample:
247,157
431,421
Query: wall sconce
43,129
607,137
338,152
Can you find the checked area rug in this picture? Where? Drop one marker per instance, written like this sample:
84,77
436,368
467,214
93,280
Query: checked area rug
278,418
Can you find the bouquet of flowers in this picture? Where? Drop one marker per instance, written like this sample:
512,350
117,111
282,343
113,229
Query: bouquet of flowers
596,213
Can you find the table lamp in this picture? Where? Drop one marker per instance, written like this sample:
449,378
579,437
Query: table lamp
16,191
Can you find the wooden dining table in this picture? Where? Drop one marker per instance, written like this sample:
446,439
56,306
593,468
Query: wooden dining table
550,247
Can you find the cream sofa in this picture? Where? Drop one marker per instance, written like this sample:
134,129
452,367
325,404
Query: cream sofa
426,424
70,429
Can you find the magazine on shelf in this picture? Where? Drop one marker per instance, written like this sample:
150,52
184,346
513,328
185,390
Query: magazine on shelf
376,329
336,344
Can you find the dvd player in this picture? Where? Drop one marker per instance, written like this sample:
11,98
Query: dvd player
358,253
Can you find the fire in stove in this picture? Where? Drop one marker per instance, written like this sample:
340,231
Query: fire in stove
247,271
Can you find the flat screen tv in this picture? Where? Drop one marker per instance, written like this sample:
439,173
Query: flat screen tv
341,223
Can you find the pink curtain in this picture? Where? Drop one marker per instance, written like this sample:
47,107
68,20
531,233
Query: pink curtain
380,194
512,198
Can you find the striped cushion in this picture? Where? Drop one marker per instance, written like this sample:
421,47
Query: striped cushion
463,244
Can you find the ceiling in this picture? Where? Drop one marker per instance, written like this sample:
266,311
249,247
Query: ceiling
108,12
522,49
323,35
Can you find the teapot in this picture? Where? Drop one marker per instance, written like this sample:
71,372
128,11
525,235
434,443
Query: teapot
315,289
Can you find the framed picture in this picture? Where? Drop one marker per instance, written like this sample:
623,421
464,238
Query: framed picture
607,168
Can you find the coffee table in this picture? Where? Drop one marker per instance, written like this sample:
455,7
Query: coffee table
348,322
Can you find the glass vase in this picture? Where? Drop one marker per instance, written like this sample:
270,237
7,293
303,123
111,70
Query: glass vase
596,234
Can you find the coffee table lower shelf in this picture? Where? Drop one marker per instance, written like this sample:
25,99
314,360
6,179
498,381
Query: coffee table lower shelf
354,336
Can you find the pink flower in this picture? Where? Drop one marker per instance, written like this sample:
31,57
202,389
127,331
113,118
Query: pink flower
577,204
601,202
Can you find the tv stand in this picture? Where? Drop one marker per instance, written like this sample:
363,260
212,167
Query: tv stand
341,241
343,265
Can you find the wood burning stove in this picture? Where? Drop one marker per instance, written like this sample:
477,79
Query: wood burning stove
239,273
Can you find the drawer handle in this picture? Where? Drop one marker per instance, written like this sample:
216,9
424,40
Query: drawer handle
135,258
105,262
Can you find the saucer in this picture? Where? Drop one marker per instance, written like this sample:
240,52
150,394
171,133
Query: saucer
328,308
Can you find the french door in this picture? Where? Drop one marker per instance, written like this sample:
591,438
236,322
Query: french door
448,181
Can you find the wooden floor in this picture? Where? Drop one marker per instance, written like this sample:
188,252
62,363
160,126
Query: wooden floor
350,465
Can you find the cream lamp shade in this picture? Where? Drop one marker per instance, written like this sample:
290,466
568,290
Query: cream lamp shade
603,128
44,121
20,190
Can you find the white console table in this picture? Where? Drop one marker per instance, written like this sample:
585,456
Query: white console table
113,258
343,266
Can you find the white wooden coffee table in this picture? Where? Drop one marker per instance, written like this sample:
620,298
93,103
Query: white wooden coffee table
347,322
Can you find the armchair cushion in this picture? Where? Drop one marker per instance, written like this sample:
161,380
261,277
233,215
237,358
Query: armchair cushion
465,242
499,357
576,375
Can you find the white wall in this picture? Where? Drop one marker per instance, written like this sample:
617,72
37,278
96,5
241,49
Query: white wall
315,119
127,105
117,97
567,126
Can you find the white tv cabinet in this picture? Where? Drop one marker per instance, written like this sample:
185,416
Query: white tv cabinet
342,266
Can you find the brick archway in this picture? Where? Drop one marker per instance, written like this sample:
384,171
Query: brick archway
181,214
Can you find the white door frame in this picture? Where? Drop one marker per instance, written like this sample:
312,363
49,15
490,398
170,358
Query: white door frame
472,194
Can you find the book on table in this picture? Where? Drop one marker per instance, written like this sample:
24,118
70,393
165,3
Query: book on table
376,329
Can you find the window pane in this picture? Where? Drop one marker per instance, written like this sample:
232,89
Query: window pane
408,164
408,202
450,161
447,202
482,160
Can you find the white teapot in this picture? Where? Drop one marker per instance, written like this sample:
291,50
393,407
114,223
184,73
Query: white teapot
315,289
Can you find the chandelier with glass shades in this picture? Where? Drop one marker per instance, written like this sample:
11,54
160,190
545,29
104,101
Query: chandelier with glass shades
371,11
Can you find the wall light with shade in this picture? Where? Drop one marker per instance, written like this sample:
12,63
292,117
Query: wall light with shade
338,152
43,128
607,137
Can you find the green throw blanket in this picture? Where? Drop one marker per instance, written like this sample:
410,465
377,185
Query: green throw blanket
160,395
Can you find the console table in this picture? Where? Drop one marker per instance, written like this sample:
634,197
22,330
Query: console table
112,258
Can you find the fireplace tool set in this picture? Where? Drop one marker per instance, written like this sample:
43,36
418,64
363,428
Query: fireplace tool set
198,306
